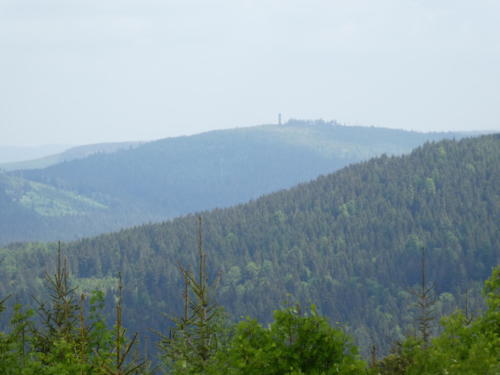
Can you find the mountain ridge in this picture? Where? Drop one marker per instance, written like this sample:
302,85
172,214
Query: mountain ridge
71,153
174,176
349,242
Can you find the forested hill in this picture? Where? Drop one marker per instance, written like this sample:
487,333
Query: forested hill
350,242
78,152
176,176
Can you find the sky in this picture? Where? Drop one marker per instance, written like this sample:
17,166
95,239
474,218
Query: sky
87,71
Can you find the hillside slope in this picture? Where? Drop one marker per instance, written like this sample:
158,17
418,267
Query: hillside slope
78,152
175,176
28,208
350,242
11,154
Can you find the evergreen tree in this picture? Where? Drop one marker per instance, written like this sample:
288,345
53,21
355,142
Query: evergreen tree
197,335
464,347
425,302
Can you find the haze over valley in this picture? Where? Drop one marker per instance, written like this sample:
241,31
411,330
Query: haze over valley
118,185
264,187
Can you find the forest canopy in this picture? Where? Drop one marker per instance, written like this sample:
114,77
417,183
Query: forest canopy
349,242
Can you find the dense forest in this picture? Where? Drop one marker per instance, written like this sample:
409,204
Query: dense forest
176,176
350,242
70,336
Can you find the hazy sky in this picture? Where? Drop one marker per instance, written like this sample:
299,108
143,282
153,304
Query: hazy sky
86,71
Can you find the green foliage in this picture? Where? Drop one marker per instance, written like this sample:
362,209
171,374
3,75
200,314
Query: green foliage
70,337
349,241
198,334
117,361
46,200
108,191
293,344
462,348
59,316
11,343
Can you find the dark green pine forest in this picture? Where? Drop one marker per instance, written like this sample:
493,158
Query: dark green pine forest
351,243
163,179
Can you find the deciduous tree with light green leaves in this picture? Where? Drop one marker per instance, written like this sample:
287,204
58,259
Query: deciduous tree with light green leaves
294,343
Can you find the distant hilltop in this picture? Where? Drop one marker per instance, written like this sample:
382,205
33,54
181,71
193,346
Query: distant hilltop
320,122
99,188
73,153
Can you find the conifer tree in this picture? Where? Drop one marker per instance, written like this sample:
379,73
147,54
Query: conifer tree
118,361
60,315
195,337
425,303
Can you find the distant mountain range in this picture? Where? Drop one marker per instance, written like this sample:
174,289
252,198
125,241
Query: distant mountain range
350,242
10,154
68,154
119,185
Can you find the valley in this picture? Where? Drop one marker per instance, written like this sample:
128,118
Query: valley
349,242
131,184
